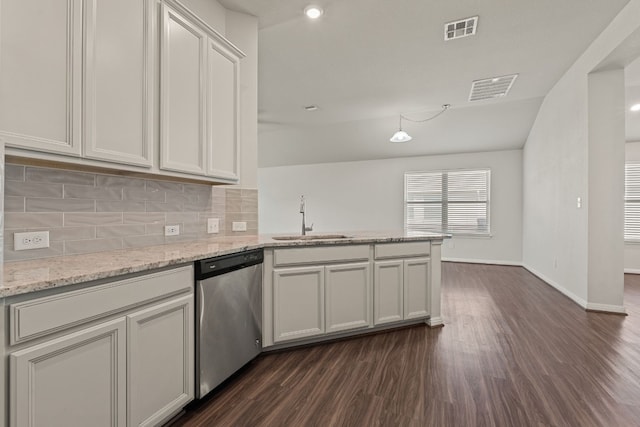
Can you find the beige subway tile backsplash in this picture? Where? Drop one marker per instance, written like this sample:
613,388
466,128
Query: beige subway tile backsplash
142,194
72,233
105,181
89,212
41,204
31,220
14,172
93,193
120,206
32,189
13,204
120,230
74,247
92,218
35,174
143,218
142,241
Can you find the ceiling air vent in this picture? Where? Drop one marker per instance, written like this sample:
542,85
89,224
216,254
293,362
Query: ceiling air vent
462,28
495,87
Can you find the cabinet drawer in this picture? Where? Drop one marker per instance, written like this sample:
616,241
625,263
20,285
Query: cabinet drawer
42,316
402,250
320,254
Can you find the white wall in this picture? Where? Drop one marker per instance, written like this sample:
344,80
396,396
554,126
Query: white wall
209,11
556,233
369,195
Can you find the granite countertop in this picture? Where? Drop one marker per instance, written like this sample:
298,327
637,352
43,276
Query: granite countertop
22,277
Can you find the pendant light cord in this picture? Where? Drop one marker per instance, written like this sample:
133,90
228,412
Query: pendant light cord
445,107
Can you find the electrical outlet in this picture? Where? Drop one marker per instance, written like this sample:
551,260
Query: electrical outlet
171,230
213,225
239,226
30,240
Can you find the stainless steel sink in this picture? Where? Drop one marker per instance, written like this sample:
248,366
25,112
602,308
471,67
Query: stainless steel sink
312,237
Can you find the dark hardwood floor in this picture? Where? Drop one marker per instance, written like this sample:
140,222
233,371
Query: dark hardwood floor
513,352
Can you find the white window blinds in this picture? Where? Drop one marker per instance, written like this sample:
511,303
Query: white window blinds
632,201
454,202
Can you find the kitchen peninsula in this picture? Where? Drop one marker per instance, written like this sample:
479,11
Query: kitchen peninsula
106,316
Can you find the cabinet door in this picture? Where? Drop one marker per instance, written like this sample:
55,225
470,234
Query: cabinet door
160,361
298,303
118,90
223,113
182,94
40,82
74,380
416,288
388,291
348,296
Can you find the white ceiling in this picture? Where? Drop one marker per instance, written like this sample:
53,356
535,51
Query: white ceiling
365,62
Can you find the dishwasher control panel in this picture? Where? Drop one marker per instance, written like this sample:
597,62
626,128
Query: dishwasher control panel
219,265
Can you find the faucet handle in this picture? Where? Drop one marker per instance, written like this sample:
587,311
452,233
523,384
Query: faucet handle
310,228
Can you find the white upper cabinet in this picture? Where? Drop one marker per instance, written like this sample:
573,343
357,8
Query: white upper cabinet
199,96
123,84
119,76
183,94
223,112
41,74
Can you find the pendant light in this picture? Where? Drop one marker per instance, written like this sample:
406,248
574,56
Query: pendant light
402,136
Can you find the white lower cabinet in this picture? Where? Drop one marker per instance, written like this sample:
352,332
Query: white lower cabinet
388,285
298,303
401,290
416,288
312,301
348,296
160,361
135,368
312,292
75,380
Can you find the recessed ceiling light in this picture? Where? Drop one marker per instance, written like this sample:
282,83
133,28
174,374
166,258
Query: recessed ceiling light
635,107
313,12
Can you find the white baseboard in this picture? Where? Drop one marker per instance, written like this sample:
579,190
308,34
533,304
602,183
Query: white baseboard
632,271
435,321
482,261
575,298
606,307
581,302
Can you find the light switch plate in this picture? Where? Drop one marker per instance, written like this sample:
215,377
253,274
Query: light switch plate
213,225
239,226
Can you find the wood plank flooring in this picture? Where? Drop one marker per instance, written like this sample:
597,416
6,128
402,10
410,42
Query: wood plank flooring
513,352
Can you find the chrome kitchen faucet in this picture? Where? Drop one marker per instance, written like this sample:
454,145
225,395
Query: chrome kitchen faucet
302,209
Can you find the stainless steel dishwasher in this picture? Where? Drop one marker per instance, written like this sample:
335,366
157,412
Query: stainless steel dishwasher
229,316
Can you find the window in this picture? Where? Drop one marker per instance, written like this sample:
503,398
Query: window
454,201
632,201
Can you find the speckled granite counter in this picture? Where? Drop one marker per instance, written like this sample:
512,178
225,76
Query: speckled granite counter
23,277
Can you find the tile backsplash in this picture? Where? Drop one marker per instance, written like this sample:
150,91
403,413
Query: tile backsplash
90,212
